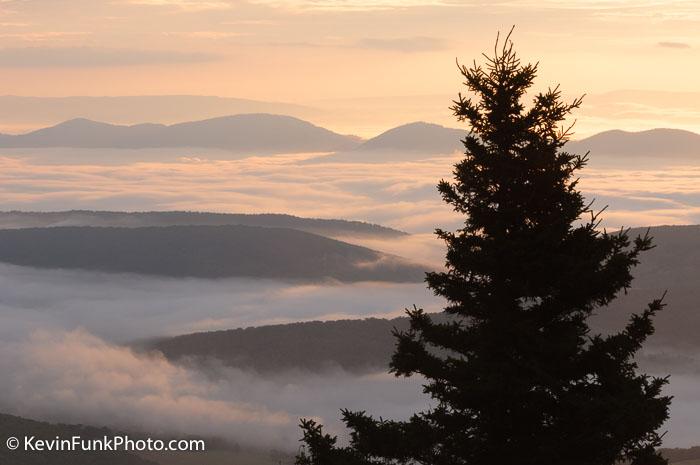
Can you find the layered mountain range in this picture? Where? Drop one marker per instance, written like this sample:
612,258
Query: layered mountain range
269,133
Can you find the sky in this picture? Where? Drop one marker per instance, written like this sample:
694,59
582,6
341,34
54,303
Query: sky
357,55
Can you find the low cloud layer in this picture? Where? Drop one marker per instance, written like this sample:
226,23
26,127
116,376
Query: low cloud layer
77,377
60,335
131,307
396,193
399,194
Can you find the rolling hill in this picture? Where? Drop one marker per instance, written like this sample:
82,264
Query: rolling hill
366,345
358,346
203,252
323,227
254,133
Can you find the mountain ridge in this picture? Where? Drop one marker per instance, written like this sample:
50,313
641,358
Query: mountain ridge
251,132
31,111
275,133
657,142
418,136
324,227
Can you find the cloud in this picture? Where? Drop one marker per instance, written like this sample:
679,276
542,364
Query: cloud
50,36
214,35
122,307
14,24
677,45
616,10
396,192
250,22
355,5
59,344
89,57
422,248
257,184
405,44
186,5
76,377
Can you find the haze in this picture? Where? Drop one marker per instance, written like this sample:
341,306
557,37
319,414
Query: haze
364,65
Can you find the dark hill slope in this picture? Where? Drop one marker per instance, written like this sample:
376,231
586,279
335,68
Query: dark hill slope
352,345
202,252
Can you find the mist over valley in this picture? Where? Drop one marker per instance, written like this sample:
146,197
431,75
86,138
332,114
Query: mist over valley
233,295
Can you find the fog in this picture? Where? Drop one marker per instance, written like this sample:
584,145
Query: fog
123,307
62,338
77,377
396,192
64,335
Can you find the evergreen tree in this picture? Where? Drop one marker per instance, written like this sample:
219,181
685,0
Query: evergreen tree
515,373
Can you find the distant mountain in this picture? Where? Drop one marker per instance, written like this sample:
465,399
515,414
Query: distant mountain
659,143
273,133
254,133
203,252
323,227
367,345
425,138
19,111
12,426
420,139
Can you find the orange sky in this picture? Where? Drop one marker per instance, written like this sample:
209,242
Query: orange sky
310,51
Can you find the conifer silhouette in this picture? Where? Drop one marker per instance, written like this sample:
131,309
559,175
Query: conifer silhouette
515,374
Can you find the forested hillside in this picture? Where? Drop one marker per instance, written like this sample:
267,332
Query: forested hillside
324,227
203,252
